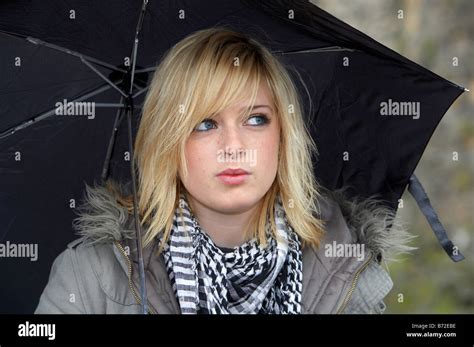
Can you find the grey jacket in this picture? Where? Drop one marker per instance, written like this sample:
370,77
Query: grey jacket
98,273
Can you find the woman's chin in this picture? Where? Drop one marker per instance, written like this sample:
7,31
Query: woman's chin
234,203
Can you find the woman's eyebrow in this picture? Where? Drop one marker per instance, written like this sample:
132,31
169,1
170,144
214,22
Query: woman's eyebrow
246,108
255,106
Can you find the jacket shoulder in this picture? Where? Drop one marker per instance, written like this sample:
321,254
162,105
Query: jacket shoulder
103,270
62,293
85,278
341,282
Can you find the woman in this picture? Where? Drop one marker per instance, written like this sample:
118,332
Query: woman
235,221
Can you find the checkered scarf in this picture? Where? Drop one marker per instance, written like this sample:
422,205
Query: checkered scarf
251,279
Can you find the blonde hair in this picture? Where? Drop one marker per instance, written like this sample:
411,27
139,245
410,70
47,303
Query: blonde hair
201,75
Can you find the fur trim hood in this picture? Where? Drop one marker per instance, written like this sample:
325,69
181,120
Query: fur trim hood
102,219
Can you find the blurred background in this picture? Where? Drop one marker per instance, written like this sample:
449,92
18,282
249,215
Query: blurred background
438,35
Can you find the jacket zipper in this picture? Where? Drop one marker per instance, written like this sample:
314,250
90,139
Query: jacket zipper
353,285
130,282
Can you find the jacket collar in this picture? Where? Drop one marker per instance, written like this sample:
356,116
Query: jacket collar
347,221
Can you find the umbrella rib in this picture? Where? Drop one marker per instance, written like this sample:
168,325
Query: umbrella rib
49,113
310,50
138,86
135,43
113,136
110,105
318,50
147,69
84,58
140,92
40,42
112,84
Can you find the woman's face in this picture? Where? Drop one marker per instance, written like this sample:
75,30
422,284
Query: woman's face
230,142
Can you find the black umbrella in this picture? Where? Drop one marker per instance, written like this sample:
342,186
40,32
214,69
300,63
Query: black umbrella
371,110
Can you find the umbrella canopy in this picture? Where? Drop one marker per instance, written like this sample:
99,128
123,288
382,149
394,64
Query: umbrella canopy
370,110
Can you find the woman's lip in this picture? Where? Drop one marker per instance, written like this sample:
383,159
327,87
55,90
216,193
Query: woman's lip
233,172
233,179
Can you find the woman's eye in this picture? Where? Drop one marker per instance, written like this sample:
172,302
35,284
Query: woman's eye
259,119
254,120
205,125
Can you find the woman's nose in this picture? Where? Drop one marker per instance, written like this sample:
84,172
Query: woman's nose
232,137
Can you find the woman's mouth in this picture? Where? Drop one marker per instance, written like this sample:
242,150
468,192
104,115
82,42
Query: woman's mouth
233,176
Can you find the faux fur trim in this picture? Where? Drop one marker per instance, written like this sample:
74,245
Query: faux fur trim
102,219
376,225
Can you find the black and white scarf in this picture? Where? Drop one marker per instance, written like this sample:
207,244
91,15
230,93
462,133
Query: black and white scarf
251,279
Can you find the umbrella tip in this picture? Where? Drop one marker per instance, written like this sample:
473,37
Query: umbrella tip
466,90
